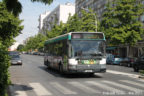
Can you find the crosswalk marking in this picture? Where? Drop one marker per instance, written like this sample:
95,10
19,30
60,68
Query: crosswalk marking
110,86
62,88
133,83
123,73
137,91
105,87
140,80
39,89
83,87
20,93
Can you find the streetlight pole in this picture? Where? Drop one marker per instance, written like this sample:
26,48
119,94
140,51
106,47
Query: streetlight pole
94,17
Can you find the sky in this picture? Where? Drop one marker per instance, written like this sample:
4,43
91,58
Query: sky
30,15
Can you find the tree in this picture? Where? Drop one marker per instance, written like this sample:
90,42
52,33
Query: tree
36,42
85,23
15,6
120,22
10,27
43,1
88,21
73,24
20,48
56,30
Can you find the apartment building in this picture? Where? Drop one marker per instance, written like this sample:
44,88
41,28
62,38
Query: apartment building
97,6
59,14
41,18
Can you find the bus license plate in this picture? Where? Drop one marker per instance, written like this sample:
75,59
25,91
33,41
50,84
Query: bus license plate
88,70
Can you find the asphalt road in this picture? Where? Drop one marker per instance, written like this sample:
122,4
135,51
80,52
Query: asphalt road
34,79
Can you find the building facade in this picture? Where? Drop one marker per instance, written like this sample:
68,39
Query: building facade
41,18
59,14
97,6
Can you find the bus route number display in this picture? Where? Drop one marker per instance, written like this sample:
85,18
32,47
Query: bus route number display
87,36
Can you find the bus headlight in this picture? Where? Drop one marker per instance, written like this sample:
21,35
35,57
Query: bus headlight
72,62
103,61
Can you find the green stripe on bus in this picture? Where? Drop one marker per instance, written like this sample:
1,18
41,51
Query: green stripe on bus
57,39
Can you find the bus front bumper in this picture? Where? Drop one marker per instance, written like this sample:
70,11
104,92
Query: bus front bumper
87,68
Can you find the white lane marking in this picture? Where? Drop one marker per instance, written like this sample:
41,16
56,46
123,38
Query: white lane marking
14,92
137,91
133,83
83,87
140,80
62,88
123,73
20,93
105,87
39,89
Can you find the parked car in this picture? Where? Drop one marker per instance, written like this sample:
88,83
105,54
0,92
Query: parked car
13,53
139,64
41,54
113,59
15,59
35,53
127,62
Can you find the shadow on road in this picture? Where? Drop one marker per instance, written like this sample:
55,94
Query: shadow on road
16,88
68,76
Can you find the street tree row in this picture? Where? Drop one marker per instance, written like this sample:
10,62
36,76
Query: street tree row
74,24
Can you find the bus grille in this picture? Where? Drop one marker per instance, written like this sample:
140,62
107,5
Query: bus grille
94,66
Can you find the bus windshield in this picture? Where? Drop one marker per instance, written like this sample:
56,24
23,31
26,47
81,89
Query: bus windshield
90,48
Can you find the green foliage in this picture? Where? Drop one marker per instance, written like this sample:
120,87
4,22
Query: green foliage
73,24
9,28
120,22
43,1
20,48
4,75
56,30
88,21
142,72
36,42
13,6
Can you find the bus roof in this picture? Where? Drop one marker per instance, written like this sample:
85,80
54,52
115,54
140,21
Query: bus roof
67,36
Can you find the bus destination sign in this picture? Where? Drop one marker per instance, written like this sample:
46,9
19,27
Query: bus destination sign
87,36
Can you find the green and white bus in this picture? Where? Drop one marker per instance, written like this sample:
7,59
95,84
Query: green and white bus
76,52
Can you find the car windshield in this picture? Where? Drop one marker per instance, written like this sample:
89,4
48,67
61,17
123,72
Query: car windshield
87,48
15,56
